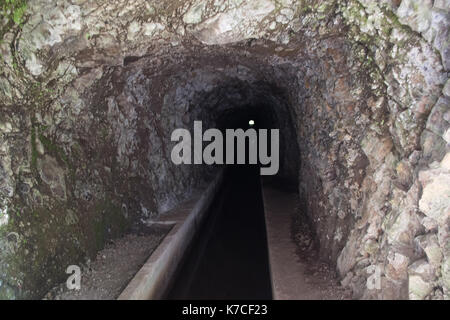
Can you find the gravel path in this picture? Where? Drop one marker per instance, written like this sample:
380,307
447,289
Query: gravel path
113,268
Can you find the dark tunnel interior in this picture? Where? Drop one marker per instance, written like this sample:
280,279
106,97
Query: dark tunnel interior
263,115
229,256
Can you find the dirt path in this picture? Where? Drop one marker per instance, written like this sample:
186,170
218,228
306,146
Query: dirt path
318,276
114,267
297,273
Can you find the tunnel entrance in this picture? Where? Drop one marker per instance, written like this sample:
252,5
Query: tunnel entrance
229,257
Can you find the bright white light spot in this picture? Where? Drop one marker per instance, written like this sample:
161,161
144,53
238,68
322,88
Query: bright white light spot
251,123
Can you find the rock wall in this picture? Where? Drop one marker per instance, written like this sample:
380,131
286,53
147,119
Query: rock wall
90,92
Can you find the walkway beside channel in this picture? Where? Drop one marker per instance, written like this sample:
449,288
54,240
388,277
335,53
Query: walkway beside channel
154,278
287,271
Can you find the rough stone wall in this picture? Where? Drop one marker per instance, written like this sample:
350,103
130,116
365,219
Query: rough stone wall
91,90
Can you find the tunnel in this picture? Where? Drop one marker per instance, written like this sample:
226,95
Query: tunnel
229,259
91,93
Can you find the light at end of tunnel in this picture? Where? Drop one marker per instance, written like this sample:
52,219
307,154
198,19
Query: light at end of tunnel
251,123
